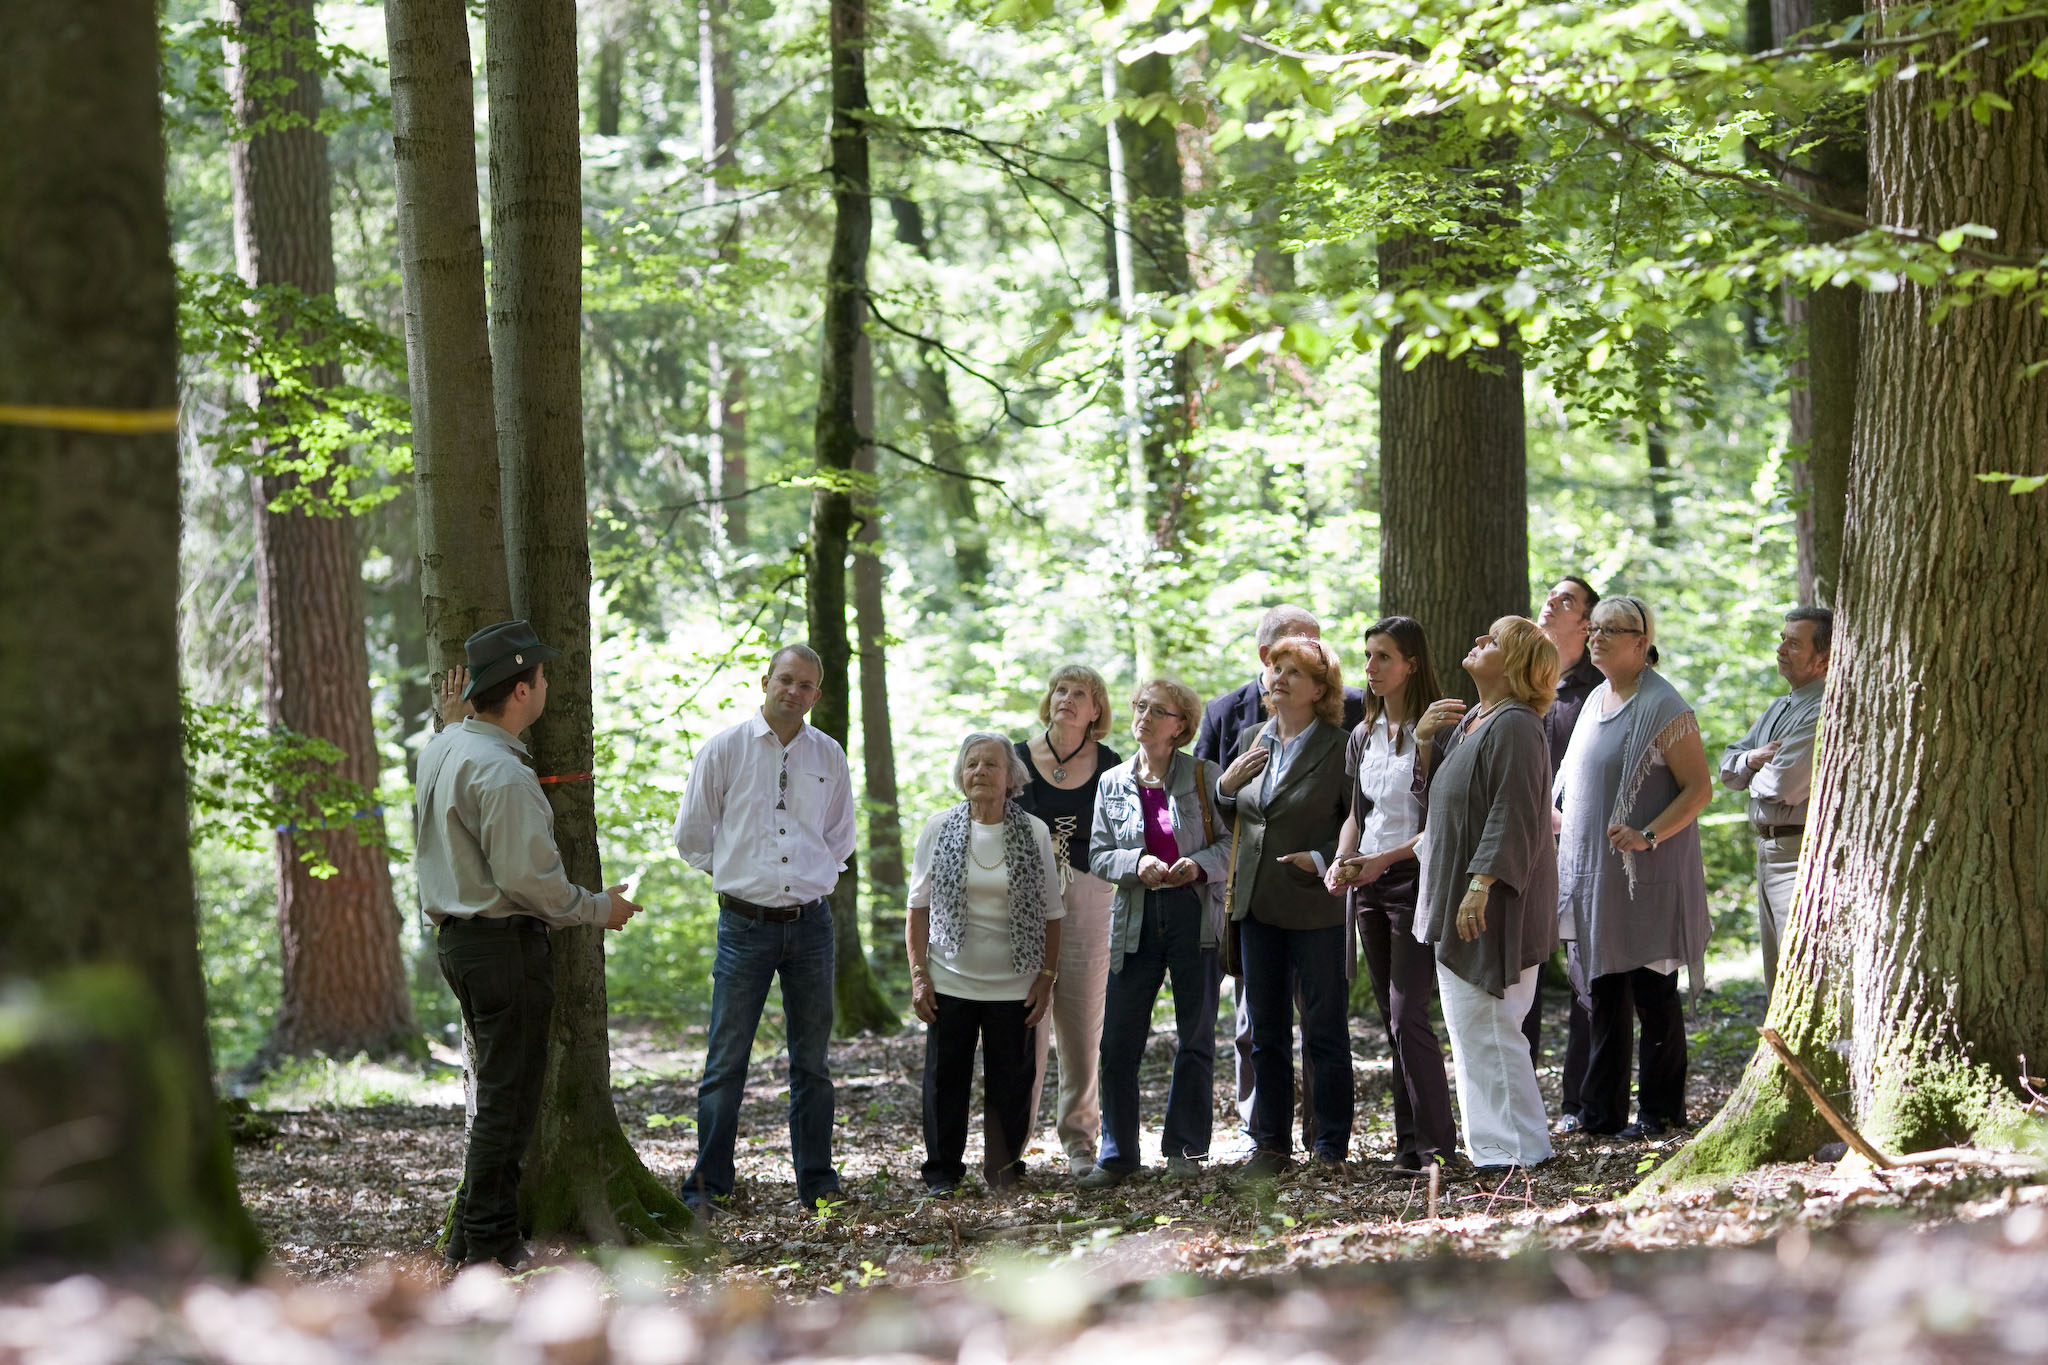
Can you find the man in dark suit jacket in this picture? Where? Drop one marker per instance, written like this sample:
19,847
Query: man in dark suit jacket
1222,720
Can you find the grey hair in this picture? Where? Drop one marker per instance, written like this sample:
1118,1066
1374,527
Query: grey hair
1286,620
1017,773
1644,619
1823,625
802,651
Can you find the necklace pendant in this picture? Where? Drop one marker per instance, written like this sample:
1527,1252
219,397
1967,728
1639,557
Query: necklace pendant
1059,774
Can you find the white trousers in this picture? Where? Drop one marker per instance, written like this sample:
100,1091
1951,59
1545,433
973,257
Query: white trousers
1077,1016
1498,1102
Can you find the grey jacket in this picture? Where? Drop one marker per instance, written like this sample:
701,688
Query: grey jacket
1117,843
1305,814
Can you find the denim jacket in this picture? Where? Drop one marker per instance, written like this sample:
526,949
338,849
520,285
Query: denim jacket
1117,843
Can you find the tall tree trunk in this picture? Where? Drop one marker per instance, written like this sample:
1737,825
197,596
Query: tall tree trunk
94,867
861,1007
877,744
582,1176
614,17
1826,328
725,377
447,338
942,430
1159,263
1454,524
1913,975
1650,350
344,979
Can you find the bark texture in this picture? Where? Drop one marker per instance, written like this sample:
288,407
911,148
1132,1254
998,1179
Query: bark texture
886,873
1914,974
1454,527
725,417
861,1006
94,868
582,1176
344,979
447,337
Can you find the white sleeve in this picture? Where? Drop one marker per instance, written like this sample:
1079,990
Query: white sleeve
696,827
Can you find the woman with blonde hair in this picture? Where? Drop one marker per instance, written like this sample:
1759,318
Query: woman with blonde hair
1488,890
1632,887
1062,764
1159,843
1286,792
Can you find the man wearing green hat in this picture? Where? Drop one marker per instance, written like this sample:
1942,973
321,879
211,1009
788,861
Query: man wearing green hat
491,880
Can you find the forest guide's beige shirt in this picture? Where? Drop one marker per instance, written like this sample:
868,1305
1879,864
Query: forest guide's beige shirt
487,835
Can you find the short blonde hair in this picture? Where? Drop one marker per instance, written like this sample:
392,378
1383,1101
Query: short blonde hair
1529,664
1319,661
1184,700
1097,688
1017,775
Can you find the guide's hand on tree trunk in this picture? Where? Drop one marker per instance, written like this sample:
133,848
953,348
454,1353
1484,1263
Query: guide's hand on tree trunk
451,704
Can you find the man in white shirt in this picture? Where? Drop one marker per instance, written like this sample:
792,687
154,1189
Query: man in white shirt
768,812
491,880
1774,764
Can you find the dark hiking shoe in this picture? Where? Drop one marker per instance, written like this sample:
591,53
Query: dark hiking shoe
1100,1179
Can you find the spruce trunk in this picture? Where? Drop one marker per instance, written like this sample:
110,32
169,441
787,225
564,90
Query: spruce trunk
582,1177
95,873
447,338
1913,976
344,979
860,1004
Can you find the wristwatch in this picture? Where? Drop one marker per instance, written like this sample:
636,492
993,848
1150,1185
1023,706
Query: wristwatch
1649,837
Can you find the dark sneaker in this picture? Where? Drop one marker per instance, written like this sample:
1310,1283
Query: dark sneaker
1266,1164
1643,1130
1328,1162
1099,1179
941,1189
1183,1168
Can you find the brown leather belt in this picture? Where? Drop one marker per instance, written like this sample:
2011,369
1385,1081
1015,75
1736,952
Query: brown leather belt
1778,831
767,914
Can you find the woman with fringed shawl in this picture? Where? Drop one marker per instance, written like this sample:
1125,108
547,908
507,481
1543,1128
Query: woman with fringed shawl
984,941
1631,886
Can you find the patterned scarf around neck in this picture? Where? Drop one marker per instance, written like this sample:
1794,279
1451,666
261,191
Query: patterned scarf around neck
1661,718
1029,901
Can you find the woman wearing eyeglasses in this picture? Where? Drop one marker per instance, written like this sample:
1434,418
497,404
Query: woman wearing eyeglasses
1158,842
1631,887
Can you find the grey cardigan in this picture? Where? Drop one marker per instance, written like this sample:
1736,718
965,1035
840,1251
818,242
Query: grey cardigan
1116,843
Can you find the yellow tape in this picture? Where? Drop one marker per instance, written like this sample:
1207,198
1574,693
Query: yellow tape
132,421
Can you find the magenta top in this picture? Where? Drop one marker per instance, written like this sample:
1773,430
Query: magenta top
1159,840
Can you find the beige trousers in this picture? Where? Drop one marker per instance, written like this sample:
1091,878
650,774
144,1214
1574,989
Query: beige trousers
1077,1017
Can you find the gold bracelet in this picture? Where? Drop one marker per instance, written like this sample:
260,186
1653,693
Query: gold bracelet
1048,974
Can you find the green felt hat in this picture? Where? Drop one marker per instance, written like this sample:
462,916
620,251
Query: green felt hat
502,651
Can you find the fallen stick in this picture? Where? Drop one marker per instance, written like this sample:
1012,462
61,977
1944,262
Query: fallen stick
1436,1180
1820,1102
1016,1232
1972,1156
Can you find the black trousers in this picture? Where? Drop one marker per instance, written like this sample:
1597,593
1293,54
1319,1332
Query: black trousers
1620,1001
1008,1063
1277,964
1578,1034
503,976
1403,985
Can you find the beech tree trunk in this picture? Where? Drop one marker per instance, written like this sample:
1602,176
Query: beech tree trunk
463,585
582,1176
1826,330
725,417
860,1005
96,904
344,978
1914,976
1454,524
877,744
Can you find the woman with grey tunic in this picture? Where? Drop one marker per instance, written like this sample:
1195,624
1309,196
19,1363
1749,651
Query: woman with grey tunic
1631,888
1489,883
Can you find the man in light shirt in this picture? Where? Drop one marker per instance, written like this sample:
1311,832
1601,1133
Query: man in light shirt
768,812
491,880
1774,764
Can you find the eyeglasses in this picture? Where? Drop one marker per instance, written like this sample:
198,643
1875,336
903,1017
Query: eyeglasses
1146,708
1612,630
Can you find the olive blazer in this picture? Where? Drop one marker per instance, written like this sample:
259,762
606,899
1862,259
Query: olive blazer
1304,814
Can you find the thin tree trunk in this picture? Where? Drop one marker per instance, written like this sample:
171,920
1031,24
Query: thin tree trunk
1651,348
582,1176
1454,529
942,430
1913,976
725,377
877,744
612,23
344,980
447,338
95,873
861,1007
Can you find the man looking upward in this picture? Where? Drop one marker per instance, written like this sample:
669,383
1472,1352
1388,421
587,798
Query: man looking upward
768,812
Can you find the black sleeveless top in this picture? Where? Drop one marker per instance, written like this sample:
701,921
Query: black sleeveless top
1068,813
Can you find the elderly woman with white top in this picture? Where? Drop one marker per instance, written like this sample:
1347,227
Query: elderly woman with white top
1158,841
1377,868
1631,886
984,941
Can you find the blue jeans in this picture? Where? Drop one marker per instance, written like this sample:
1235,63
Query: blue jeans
1169,940
750,954
1314,958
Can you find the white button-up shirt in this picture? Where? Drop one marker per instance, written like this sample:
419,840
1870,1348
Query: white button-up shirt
772,823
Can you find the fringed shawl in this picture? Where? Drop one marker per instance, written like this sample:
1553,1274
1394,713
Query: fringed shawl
1661,718
1030,899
